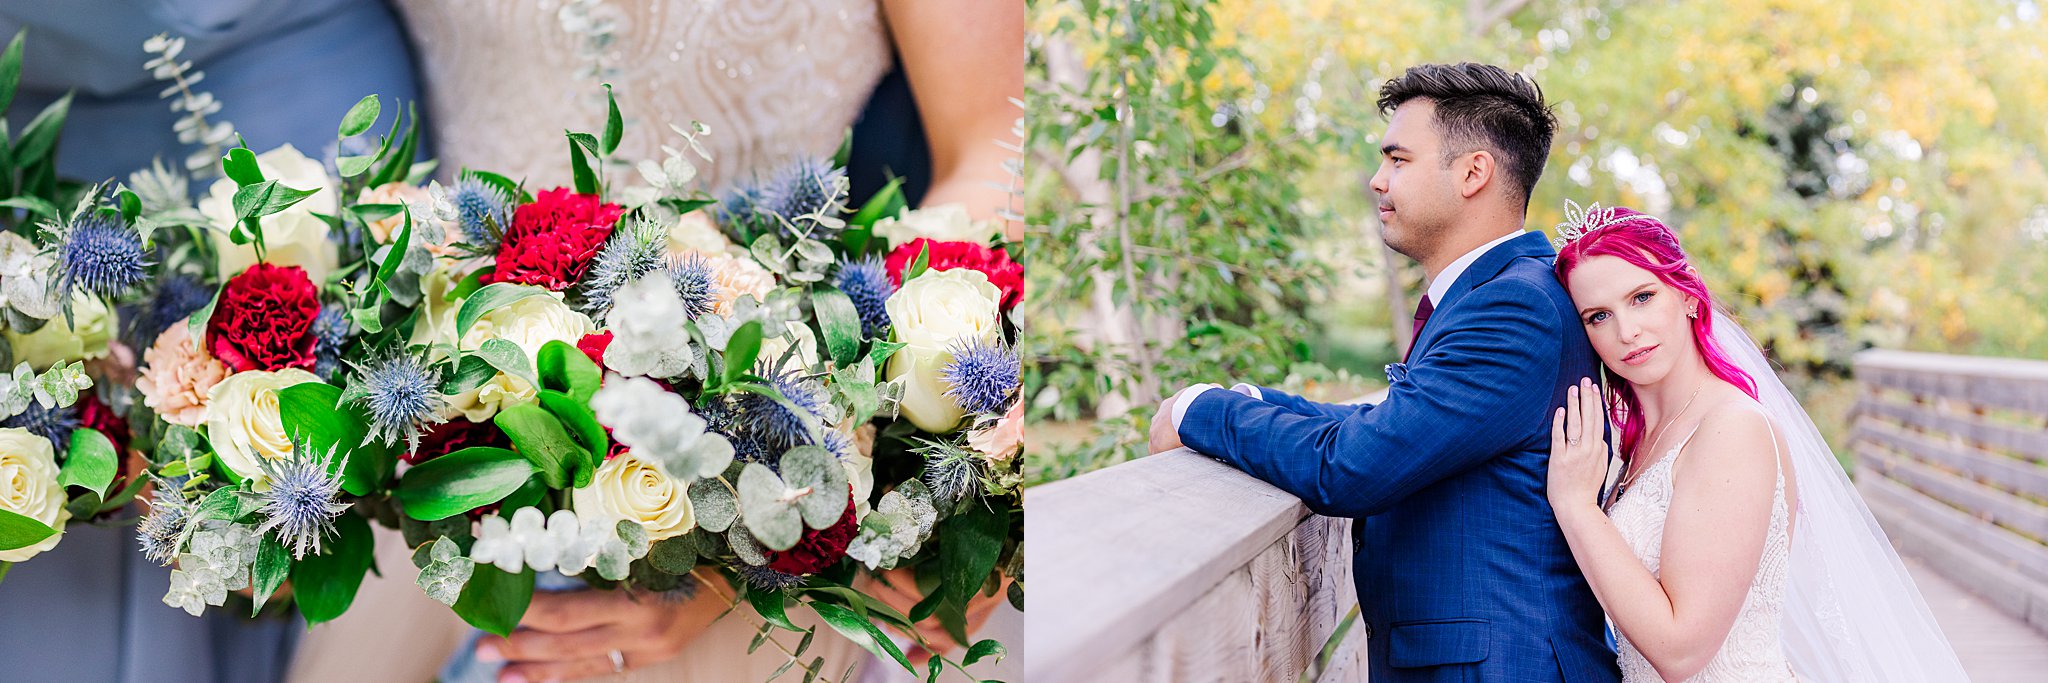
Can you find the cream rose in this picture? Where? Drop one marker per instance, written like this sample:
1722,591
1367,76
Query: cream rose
413,197
806,356
56,342
292,237
932,313
28,487
695,232
242,419
530,323
629,488
942,223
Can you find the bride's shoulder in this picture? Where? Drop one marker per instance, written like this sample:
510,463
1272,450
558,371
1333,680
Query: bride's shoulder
1735,440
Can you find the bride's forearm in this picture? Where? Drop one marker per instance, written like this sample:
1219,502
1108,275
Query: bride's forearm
1634,599
977,182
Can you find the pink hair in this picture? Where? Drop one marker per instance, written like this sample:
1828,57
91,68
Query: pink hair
1650,245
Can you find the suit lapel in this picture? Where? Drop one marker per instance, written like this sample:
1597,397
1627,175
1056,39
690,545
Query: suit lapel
1531,244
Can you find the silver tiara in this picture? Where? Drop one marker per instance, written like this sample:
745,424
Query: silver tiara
1580,222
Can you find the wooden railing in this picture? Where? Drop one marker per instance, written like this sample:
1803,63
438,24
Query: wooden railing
1952,457
1176,567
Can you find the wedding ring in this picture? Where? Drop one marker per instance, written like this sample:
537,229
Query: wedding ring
1573,441
618,661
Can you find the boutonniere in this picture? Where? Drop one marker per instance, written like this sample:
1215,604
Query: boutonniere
1396,373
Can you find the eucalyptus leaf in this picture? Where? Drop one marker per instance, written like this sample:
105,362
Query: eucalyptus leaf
446,572
770,513
714,504
360,117
814,469
492,297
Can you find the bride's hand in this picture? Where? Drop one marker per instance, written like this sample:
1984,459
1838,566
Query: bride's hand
572,635
1578,451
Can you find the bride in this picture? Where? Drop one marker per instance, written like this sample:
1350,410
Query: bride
775,81
1732,546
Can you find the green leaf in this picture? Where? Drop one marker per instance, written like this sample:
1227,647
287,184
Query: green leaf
583,426
266,198
395,255
10,69
360,117
918,265
224,504
273,564
313,414
494,600
614,126
131,206
196,325
984,649
741,350
841,323
508,358
886,203
861,631
325,584
579,166
21,531
399,164
34,205
40,135
91,462
564,368
352,166
490,298
469,284
461,481
540,437
502,183
470,372
769,604
676,554
969,545
240,166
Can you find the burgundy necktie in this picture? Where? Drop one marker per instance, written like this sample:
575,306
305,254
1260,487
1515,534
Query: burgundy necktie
1421,316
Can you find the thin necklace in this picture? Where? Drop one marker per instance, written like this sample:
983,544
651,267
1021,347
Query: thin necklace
1629,474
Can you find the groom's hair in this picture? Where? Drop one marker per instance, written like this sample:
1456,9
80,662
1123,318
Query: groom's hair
1481,106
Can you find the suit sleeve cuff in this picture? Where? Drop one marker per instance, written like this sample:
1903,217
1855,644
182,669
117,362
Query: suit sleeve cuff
1249,390
1187,398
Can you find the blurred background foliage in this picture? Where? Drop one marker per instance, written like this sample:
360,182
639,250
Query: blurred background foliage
1848,174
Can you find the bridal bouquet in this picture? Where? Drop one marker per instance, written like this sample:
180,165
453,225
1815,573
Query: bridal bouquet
61,275
598,381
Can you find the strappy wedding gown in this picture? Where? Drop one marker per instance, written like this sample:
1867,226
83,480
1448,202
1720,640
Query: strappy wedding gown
1753,651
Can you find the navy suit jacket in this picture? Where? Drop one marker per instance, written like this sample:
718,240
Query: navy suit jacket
1462,571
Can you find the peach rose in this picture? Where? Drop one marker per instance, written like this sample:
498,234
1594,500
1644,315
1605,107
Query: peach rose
178,376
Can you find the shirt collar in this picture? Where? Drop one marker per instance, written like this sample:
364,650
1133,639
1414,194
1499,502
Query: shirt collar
1442,284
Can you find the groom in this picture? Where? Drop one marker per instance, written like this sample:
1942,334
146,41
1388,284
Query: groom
1462,572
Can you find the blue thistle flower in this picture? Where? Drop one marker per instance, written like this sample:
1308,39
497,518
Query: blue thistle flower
176,298
330,338
695,283
983,376
402,395
101,257
767,579
804,187
952,472
626,256
723,418
866,282
160,531
777,425
839,444
54,424
302,501
739,213
482,211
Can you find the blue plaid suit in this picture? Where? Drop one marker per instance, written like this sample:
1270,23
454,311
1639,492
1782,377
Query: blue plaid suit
1462,572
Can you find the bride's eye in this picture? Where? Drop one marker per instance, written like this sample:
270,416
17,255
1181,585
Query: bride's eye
1596,317
1643,297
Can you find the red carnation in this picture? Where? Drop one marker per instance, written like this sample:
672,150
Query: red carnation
1005,274
264,319
594,344
454,435
552,240
819,549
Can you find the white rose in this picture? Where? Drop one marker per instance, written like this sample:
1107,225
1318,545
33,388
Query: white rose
436,324
629,488
242,419
293,237
26,277
56,342
806,356
696,232
942,223
28,487
530,323
932,313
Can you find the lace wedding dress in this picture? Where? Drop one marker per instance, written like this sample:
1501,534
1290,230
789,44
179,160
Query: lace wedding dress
1753,651
774,79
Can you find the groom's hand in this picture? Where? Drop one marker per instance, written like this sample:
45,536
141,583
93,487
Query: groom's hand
1165,436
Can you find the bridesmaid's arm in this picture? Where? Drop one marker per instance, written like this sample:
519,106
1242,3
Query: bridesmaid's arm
965,62
1713,542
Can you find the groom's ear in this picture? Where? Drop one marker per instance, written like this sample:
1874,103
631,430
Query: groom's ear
1474,171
